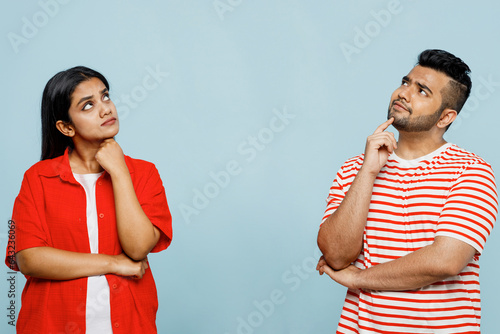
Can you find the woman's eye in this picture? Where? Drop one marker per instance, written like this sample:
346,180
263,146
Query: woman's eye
87,106
106,97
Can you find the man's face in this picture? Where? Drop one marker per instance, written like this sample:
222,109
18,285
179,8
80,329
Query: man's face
416,104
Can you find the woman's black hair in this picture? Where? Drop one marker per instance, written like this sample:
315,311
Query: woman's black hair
56,101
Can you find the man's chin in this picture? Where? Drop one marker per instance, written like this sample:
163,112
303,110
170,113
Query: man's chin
398,126
393,114
399,123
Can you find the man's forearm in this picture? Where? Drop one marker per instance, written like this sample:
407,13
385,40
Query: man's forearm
444,258
410,272
340,238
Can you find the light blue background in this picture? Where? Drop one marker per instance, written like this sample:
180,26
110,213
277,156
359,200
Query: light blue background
223,77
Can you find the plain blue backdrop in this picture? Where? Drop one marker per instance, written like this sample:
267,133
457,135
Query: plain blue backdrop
247,108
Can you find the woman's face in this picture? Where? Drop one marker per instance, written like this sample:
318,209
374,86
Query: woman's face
93,115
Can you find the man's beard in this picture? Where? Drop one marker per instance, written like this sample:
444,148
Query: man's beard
417,124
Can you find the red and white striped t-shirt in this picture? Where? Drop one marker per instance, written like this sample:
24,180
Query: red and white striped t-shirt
449,192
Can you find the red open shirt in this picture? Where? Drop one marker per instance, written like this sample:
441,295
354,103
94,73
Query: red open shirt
50,210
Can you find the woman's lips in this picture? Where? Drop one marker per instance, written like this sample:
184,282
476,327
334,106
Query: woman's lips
110,121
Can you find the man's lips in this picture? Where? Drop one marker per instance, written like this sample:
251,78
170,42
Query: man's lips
110,121
399,106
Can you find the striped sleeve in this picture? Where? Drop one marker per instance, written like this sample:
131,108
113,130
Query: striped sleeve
341,185
335,197
471,208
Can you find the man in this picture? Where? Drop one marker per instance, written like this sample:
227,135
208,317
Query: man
407,220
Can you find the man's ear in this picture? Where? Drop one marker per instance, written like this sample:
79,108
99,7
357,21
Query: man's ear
66,128
447,117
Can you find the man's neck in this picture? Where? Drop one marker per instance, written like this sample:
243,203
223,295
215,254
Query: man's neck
413,145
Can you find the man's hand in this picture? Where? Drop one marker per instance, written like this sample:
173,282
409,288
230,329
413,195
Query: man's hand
124,266
444,258
378,148
110,157
346,277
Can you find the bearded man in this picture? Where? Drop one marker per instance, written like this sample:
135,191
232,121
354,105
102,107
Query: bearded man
407,220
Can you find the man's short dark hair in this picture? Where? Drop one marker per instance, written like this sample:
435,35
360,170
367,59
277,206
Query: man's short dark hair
459,87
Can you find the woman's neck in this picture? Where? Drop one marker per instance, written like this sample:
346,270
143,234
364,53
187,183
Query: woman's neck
82,160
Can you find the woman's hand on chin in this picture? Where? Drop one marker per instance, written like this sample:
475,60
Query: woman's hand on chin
110,157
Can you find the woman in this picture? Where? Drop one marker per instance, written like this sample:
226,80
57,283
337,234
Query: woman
86,218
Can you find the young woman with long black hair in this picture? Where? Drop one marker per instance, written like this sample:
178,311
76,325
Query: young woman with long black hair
86,218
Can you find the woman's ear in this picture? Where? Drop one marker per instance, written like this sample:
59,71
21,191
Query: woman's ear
65,128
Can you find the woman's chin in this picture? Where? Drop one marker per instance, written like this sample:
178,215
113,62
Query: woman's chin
114,132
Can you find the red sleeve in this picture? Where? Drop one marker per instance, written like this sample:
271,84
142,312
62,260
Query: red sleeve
27,224
154,204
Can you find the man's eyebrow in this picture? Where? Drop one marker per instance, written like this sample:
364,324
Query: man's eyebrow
421,85
424,87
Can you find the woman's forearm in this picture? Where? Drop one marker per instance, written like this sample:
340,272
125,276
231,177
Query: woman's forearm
136,232
57,264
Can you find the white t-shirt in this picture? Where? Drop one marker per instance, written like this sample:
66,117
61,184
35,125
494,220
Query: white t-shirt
97,311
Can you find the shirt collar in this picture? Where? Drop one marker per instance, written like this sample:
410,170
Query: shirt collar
59,166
